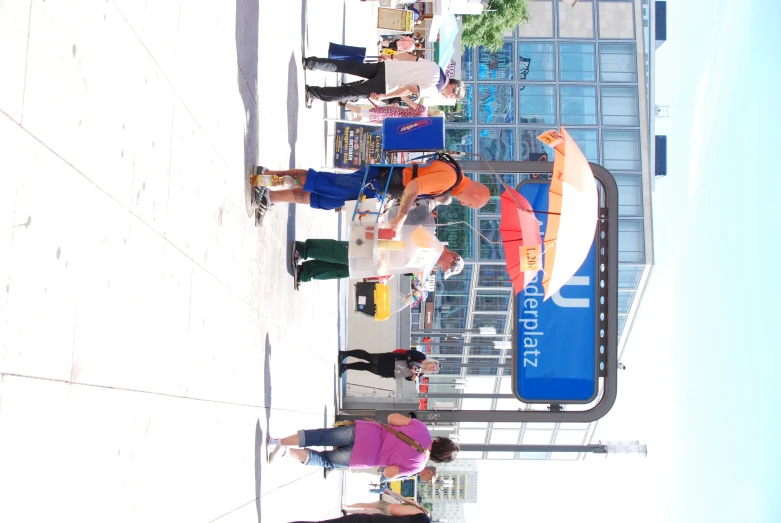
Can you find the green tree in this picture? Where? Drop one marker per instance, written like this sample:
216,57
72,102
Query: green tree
488,28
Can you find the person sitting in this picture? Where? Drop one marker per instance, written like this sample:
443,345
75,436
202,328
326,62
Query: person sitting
327,190
399,448
401,363
327,260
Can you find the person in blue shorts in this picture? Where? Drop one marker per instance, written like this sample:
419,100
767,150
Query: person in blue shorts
327,190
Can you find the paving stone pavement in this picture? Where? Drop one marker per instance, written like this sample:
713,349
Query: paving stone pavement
150,332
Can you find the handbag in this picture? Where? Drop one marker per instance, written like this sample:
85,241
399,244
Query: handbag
403,437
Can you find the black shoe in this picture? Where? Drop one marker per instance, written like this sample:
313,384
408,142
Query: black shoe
260,197
326,472
303,63
308,97
340,356
342,368
297,277
294,257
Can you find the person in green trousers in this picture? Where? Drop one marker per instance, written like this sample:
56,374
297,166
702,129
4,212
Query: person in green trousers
327,260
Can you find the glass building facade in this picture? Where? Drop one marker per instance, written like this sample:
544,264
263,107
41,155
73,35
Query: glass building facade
586,68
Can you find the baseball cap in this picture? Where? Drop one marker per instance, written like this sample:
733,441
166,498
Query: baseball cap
456,268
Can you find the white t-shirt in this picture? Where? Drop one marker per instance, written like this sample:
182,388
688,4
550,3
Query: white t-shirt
423,73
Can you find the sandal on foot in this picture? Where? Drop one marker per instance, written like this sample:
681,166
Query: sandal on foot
294,257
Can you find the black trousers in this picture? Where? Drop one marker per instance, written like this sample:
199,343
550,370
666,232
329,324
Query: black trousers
352,518
383,364
374,83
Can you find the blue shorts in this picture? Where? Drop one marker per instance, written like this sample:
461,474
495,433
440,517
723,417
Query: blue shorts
330,190
341,437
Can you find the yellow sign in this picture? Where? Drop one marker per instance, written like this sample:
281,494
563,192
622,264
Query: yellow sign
531,258
394,19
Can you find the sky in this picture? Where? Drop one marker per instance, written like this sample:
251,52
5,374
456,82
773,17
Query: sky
703,382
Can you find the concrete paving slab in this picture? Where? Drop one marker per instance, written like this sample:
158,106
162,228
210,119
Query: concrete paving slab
150,333
14,25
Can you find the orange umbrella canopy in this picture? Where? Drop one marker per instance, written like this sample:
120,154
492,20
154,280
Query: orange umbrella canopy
572,212
520,232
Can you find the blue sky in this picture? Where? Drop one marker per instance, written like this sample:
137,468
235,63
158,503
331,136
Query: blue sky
703,381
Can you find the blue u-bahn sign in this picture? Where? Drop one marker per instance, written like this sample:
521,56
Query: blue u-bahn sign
555,349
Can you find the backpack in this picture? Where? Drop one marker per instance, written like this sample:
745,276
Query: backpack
396,187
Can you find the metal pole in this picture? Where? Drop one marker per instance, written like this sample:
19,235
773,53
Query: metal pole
479,447
465,395
445,332
477,365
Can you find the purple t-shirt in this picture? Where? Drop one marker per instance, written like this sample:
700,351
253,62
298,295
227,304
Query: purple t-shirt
375,446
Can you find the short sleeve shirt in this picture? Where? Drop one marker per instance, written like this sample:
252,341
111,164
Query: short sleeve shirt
437,178
377,447
426,75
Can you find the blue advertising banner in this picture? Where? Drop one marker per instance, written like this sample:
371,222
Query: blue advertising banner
555,343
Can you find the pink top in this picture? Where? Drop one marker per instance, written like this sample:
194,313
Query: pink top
375,446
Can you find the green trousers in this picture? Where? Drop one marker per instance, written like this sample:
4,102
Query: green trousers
327,260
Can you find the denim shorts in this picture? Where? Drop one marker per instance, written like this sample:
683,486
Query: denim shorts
342,437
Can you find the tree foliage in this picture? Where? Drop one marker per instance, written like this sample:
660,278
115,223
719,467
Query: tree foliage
488,28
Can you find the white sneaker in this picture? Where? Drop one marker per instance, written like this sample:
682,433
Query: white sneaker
270,456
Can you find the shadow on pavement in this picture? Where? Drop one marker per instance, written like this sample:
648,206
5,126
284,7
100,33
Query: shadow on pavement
304,32
260,441
293,98
259,455
247,20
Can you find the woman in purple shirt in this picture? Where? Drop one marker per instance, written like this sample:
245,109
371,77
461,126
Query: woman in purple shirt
367,444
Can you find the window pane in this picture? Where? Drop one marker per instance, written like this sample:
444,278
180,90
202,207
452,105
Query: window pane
451,299
467,65
496,103
621,323
461,140
578,105
588,141
462,111
497,144
621,150
493,206
535,61
451,308
625,301
630,194
538,104
496,321
631,241
493,276
617,63
629,277
532,148
490,251
492,301
576,62
495,65
459,237
619,106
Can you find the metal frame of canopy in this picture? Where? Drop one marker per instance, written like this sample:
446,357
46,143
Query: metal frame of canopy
607,254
